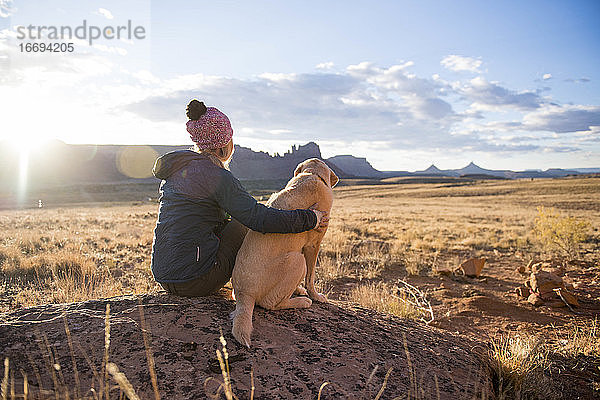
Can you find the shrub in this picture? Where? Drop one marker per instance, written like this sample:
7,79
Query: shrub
558,232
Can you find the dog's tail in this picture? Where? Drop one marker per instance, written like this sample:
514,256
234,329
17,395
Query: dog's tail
242,318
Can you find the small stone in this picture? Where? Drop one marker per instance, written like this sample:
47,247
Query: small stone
472,267
535,300
544,282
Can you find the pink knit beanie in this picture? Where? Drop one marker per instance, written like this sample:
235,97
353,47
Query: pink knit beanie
208,127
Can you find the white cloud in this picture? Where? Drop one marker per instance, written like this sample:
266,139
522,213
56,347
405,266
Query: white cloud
391,106
277,77
279,131
146,77
386,107
6,8
105,13
579,80
492,96
110,49
563,119
325,65
461,63
546,76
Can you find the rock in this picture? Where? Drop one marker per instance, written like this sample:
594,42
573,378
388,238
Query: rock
522,270
472,267
565,295
544,282
535,300
522,291
293,351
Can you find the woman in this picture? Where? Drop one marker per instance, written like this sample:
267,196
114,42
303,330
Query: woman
195,241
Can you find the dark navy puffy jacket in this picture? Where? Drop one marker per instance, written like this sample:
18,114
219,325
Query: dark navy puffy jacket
195,196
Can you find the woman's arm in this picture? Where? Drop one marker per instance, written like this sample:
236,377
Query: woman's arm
243,207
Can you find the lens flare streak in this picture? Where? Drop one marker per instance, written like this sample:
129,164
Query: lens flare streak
23,170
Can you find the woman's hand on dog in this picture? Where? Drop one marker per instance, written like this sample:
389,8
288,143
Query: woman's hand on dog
322,219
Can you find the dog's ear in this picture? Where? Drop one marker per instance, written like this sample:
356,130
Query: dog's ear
333,178
325,173
298,169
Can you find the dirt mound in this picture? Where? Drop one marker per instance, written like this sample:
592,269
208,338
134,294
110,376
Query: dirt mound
293,353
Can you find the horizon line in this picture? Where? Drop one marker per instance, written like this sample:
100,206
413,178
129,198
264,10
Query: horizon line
274,154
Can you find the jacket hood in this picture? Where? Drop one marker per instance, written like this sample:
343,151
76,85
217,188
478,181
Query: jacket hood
169,163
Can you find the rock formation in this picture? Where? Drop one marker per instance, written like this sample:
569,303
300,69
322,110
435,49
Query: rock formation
294,351
358,167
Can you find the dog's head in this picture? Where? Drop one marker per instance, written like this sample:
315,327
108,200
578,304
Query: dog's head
319,168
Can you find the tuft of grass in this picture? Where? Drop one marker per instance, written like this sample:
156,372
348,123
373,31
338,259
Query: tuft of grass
384,298
417,263
517,365
582,341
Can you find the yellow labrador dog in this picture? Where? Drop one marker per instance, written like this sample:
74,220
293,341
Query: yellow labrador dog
269,268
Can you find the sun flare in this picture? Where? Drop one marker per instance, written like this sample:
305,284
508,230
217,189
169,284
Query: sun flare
23,146
26,144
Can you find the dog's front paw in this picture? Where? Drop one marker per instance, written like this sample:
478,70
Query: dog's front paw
321,298
306,302
300,291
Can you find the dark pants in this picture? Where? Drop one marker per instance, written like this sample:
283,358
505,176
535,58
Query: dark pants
231,239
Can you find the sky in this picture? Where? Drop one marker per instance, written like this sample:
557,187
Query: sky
406,84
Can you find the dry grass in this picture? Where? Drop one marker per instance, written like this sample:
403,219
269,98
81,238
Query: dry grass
561,232
581,340
517,366
64,255
73,254
384,298
520,366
